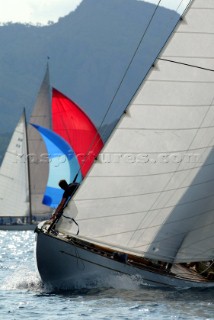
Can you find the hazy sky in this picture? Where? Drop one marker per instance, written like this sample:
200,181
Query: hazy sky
35,11
42,11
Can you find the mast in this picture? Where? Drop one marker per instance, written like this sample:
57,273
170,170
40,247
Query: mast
28,168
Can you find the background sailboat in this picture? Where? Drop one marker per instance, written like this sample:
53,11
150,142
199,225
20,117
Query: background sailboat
72,151
34,157
146,206
38,163
75,127
14,182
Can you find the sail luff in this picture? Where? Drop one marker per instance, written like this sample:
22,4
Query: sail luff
153,182
38,162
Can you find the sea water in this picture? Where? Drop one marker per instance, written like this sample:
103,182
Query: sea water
23,296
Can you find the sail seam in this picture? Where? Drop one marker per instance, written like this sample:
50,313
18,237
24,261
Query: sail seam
157,152
182,81
153,174
186,64
171,106
123,77
148,193
153,241
175,235
153,210
165,129
4,175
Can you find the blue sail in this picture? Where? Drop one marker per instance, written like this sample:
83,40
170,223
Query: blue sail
63,164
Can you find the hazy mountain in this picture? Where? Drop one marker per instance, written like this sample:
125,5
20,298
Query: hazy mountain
89,51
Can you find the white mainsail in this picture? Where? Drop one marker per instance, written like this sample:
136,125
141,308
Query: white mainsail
151,189
38,160
14,187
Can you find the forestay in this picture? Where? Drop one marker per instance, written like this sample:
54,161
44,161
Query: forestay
152,188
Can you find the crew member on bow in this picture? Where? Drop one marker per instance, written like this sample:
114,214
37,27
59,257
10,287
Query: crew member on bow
69,190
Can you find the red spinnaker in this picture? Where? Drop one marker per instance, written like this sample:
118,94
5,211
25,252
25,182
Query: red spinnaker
72,124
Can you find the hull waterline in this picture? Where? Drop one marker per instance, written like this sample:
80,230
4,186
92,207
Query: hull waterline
64,264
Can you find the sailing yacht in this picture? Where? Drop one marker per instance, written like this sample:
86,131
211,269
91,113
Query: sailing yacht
14,183
145,209
24,157
71,127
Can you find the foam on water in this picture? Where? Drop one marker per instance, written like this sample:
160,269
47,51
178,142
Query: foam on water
117,282
22,295
22,279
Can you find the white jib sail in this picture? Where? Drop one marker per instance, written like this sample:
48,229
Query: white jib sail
38,159
14,188
151,190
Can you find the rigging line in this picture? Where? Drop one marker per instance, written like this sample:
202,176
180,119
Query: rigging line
199,251
186,9
119,86
172,176
197,241
212,139
184,219
186,64
190,145
187,186
161,211
209,267
126,71
175,235
177,10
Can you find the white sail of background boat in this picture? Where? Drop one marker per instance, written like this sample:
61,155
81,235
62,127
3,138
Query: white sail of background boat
41,115
73,124
146,207
14,182
28,153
